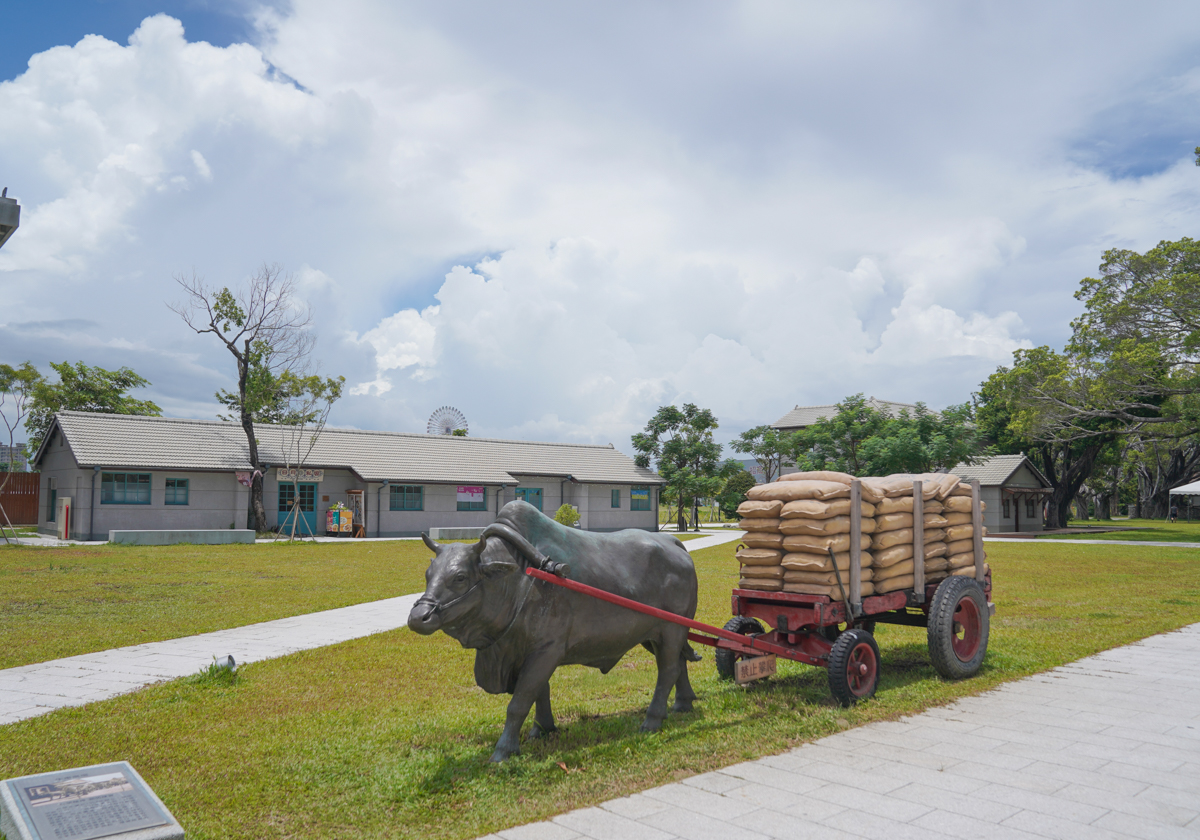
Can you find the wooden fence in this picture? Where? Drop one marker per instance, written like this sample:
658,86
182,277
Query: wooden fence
20,497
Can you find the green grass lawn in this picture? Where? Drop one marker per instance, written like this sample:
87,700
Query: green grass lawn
1150,530
58,602
387,736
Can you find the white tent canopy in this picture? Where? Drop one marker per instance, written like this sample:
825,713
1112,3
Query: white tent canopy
1192,489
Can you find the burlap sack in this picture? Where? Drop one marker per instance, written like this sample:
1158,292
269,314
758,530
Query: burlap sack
934,520
946,483
760,524
959,546
897,504
957,561
763,572
963,489
893,522
824,578
934,549
767,510
900,484
958,504
933,535
819,475
893,584
809,543
764,584
759,557
939,564
833,592
887,539
814,509
808,562
957,518
933,507
819,527
895,554
969,571
895,571
961,532
762,539
790,491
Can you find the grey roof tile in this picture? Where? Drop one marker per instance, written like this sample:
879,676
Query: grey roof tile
805,415
996,470
122,440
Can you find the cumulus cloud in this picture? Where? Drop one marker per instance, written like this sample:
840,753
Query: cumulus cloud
559,218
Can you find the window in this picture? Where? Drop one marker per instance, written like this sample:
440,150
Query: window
52,514
481,504
1007,512
533,495
177,491
125,488
287,496
405,497
616,497
639,498
1029,507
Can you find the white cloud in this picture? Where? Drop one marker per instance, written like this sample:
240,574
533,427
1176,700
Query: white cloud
559,219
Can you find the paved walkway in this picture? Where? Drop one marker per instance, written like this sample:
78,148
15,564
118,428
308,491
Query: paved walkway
32,690
1105,748
1052,540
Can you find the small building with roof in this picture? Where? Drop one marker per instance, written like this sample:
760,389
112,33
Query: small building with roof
1013,488
128,472
803,416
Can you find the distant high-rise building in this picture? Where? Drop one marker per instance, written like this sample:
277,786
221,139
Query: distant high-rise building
14,456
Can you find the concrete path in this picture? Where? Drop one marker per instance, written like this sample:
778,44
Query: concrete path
32,690
1052,540
1105,748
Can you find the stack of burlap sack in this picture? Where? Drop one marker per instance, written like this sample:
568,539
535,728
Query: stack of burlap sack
792,523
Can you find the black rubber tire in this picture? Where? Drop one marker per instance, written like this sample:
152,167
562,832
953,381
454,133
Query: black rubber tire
957,658
853,647
727,659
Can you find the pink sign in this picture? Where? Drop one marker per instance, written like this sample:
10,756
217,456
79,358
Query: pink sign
470,494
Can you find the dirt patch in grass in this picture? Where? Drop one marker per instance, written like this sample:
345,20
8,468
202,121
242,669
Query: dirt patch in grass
388,737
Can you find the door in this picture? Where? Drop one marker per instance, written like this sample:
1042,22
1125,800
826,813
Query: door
533,495
307,524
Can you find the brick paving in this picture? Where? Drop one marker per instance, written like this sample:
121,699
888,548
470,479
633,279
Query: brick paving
1107,747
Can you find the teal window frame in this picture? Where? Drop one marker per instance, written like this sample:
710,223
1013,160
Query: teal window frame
176,492
533,495
616,497
124,488
638,504
308,496
287,496
406,497
52,514
467,506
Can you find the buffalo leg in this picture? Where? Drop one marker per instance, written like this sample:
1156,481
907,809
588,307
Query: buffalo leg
535,674
684,695
668,652
543,718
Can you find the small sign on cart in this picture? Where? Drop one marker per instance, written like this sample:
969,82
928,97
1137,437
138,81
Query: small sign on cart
749,670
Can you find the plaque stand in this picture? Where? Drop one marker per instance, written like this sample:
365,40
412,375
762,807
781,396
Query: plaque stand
85,803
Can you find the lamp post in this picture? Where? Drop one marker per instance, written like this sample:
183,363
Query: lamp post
10,216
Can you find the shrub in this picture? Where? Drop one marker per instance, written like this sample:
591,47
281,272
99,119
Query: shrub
566,515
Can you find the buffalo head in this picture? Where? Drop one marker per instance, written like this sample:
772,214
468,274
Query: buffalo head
465,590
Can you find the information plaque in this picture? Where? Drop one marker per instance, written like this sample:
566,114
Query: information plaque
105,800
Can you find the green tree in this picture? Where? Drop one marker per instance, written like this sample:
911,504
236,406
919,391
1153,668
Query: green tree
770,448
737,481
17,385
266,330
679,440
862,440
83,388
308,399
566,515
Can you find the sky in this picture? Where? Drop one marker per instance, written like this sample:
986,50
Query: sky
558,217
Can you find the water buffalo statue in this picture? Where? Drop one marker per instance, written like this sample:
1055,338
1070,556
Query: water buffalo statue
523,628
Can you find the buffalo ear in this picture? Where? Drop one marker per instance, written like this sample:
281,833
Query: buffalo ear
497,559
436,548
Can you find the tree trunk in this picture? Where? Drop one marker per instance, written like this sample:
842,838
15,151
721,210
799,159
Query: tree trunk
681,524
1066,478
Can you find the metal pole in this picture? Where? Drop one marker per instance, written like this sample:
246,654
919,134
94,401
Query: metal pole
977,530
855,547
919,542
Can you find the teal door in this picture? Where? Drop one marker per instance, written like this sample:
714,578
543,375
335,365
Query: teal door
307,523
533,495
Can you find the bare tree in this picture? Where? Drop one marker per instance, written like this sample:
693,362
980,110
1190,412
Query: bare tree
17,386
266,330
309,399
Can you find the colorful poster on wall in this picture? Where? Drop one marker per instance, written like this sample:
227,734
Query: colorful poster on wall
304,474
640,494
470,494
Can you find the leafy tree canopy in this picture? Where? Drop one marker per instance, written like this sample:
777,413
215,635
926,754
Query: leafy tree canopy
679,441
84,388
737,482
770,448
862,440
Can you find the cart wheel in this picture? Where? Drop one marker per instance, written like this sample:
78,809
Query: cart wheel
958,628
726,659
832,632
854,667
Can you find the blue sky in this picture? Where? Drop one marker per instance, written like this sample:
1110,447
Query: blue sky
557,217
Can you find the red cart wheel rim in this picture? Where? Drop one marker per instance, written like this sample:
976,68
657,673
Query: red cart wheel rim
968,627
861,668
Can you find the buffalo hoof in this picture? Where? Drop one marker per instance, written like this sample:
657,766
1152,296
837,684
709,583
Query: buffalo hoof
536,732
682,706
649,725
502,754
